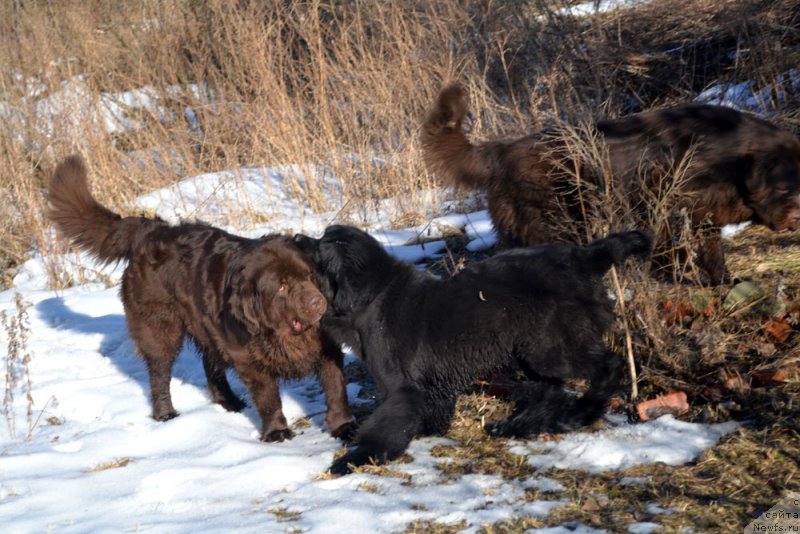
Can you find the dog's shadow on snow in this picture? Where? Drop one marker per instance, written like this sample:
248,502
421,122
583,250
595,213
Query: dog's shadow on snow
116,345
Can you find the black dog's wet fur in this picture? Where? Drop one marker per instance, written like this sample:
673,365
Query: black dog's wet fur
426,340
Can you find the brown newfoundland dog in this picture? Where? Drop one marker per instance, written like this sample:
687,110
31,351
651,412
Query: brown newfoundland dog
253,304
734,168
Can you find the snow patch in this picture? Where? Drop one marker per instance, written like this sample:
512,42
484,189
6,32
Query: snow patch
624,445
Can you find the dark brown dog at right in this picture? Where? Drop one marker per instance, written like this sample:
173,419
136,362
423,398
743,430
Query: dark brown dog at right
253,304
737,168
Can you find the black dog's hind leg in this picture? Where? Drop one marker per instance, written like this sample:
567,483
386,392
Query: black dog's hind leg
386,433
605,379
536,408
544,406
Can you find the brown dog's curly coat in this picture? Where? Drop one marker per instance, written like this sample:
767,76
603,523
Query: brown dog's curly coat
738,168
253,304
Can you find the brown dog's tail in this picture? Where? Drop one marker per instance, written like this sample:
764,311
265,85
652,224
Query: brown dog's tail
447,152
82,220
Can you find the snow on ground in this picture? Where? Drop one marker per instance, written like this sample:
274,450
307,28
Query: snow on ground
97,462
73,107
748,96
624,445
113,112
593,7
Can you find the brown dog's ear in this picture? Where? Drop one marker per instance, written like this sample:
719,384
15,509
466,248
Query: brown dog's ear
245,307
242,303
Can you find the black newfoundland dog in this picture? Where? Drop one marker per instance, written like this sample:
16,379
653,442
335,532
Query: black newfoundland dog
542,309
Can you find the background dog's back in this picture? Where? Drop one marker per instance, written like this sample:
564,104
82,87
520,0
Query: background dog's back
725,167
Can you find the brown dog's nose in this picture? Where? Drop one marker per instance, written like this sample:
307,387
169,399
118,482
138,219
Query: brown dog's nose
317,305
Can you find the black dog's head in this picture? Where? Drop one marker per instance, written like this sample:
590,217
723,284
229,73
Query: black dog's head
351,266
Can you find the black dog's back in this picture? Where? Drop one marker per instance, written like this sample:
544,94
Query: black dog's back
552,264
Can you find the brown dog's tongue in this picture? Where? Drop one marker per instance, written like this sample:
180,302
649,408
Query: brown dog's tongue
296,325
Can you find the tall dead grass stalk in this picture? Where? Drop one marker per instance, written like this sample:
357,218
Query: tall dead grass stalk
18,359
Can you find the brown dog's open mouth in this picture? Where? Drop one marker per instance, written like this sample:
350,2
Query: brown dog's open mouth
298,327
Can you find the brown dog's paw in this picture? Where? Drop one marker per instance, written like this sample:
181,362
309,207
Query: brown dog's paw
276,436
345,432
165,415
232,404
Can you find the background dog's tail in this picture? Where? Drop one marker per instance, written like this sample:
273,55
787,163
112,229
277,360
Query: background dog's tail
81,219
613,249
447,152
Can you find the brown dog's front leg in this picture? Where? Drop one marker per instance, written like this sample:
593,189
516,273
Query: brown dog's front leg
267,400
331,375
711,259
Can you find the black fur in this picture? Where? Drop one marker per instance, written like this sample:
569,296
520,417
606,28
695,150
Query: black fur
426,340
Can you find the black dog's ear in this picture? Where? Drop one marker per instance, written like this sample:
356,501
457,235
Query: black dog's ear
305,243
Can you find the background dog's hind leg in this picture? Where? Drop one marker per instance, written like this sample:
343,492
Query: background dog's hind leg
386,433
537,406
545,406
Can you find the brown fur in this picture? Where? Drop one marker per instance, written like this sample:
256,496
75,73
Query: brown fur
253,304
740,168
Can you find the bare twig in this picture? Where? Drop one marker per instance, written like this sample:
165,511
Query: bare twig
628,337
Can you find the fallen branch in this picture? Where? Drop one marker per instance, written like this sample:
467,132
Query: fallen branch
628,337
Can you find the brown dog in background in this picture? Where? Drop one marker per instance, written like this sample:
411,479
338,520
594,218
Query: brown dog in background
253,304
736,168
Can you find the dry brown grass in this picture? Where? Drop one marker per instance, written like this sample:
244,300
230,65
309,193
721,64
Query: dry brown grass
342,84
428,526
116,463
17,330
283,515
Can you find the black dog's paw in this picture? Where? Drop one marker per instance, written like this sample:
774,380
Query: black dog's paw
345,432
278,435
354,458
514,428
501,429
632,416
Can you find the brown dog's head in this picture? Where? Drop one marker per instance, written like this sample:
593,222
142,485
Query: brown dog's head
273,288
777,198
790,215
